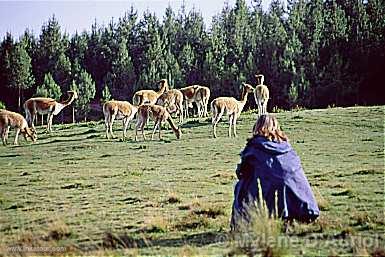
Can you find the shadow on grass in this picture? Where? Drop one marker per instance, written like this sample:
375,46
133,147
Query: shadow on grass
57,141
195,123
118,241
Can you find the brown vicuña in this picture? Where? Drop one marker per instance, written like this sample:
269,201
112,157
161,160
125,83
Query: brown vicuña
198,94
158,114
15,120
231,106
44,105
118,110
173,101
150,96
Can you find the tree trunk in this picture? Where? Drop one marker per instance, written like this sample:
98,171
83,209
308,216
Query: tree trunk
73,115
19,102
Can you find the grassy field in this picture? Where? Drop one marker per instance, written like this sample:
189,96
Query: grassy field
79,193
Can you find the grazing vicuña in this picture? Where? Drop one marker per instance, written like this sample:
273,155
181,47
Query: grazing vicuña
173,101
158,114
15,120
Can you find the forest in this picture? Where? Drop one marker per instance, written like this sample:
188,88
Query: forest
313,54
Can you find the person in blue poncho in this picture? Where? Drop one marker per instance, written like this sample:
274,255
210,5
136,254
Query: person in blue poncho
270,159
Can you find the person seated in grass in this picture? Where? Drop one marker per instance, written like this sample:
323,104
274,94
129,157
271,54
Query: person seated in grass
270,161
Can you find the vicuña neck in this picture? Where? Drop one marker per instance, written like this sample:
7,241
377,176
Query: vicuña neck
163,88
70,99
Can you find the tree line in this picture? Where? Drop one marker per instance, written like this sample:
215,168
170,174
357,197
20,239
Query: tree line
313,54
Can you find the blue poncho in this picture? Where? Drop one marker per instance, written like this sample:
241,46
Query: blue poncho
278,168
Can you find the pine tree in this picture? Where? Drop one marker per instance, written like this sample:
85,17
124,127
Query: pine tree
86,91
51,46
50,87
274,39
106,95
21,76
7,94
153,65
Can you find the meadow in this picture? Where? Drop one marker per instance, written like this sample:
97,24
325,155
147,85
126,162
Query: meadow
79,193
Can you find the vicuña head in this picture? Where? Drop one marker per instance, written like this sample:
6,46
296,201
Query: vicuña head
29,132
247,88
178,133
73,94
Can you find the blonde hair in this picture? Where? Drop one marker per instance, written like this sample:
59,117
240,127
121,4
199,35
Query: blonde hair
267,126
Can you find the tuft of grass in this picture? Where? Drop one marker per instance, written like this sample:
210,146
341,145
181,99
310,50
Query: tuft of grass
172,198
261,233
322,202
156,224
58,230
361,218
192,221
209,211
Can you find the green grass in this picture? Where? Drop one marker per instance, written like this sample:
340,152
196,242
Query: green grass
76,189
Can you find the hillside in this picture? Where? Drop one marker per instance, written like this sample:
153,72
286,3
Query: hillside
77,190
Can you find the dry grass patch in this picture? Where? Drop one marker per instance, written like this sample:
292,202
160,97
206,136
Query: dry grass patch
156,224
172,198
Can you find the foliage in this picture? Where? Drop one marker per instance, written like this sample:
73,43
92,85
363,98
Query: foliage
85,88
49,88
20,67
106,95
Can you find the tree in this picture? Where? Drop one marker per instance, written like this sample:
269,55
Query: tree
86,90
121,79
274,39
21,70
6,47
188,64
153,65
106,95
51,48
50,88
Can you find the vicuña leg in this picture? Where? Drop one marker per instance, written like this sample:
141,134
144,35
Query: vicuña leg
231,118
15,142
216,118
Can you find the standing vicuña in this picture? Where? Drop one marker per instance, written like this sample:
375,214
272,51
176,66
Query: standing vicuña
198,94
44,105
173,101
232,106
261,95
12,119
118,110
202,97
158,114
150,96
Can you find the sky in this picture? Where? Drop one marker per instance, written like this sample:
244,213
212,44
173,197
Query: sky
16,16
